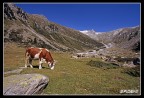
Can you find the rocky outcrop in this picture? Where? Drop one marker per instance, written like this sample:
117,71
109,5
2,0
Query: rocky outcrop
8,13
13,13
25,84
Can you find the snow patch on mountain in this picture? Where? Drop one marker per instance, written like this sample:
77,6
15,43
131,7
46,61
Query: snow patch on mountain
90,32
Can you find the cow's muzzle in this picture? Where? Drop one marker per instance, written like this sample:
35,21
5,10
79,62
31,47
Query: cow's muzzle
51,64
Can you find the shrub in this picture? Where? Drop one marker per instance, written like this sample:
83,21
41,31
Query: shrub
119,59
135,71
100,64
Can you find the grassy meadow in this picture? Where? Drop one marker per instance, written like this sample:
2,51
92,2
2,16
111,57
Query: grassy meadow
72,76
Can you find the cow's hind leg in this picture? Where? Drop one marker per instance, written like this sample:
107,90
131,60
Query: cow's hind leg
26,59
30,63
40,64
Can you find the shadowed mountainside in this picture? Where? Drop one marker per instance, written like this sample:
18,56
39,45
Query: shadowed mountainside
37,30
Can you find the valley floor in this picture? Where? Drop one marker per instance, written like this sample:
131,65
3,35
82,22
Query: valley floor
73,76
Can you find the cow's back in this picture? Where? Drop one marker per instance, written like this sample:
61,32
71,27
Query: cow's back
32,51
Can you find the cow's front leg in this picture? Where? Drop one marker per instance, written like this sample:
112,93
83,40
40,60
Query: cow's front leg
26,62
40,64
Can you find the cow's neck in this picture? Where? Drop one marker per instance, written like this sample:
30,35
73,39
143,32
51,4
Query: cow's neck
49,58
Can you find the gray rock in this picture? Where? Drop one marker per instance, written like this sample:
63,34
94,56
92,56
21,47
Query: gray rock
25,84
17,71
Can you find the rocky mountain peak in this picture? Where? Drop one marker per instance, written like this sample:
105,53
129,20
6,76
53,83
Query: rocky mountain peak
13,12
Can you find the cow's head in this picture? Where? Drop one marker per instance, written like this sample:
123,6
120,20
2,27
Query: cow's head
51,64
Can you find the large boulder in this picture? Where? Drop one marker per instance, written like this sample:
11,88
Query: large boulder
25,84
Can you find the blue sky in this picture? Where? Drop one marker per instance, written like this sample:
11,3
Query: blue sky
101,17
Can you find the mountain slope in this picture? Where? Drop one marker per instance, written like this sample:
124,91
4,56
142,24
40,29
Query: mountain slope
37,30
127,38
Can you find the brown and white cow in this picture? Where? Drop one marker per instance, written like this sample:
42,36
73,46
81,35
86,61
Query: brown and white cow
41,54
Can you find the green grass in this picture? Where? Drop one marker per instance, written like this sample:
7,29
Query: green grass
73,76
